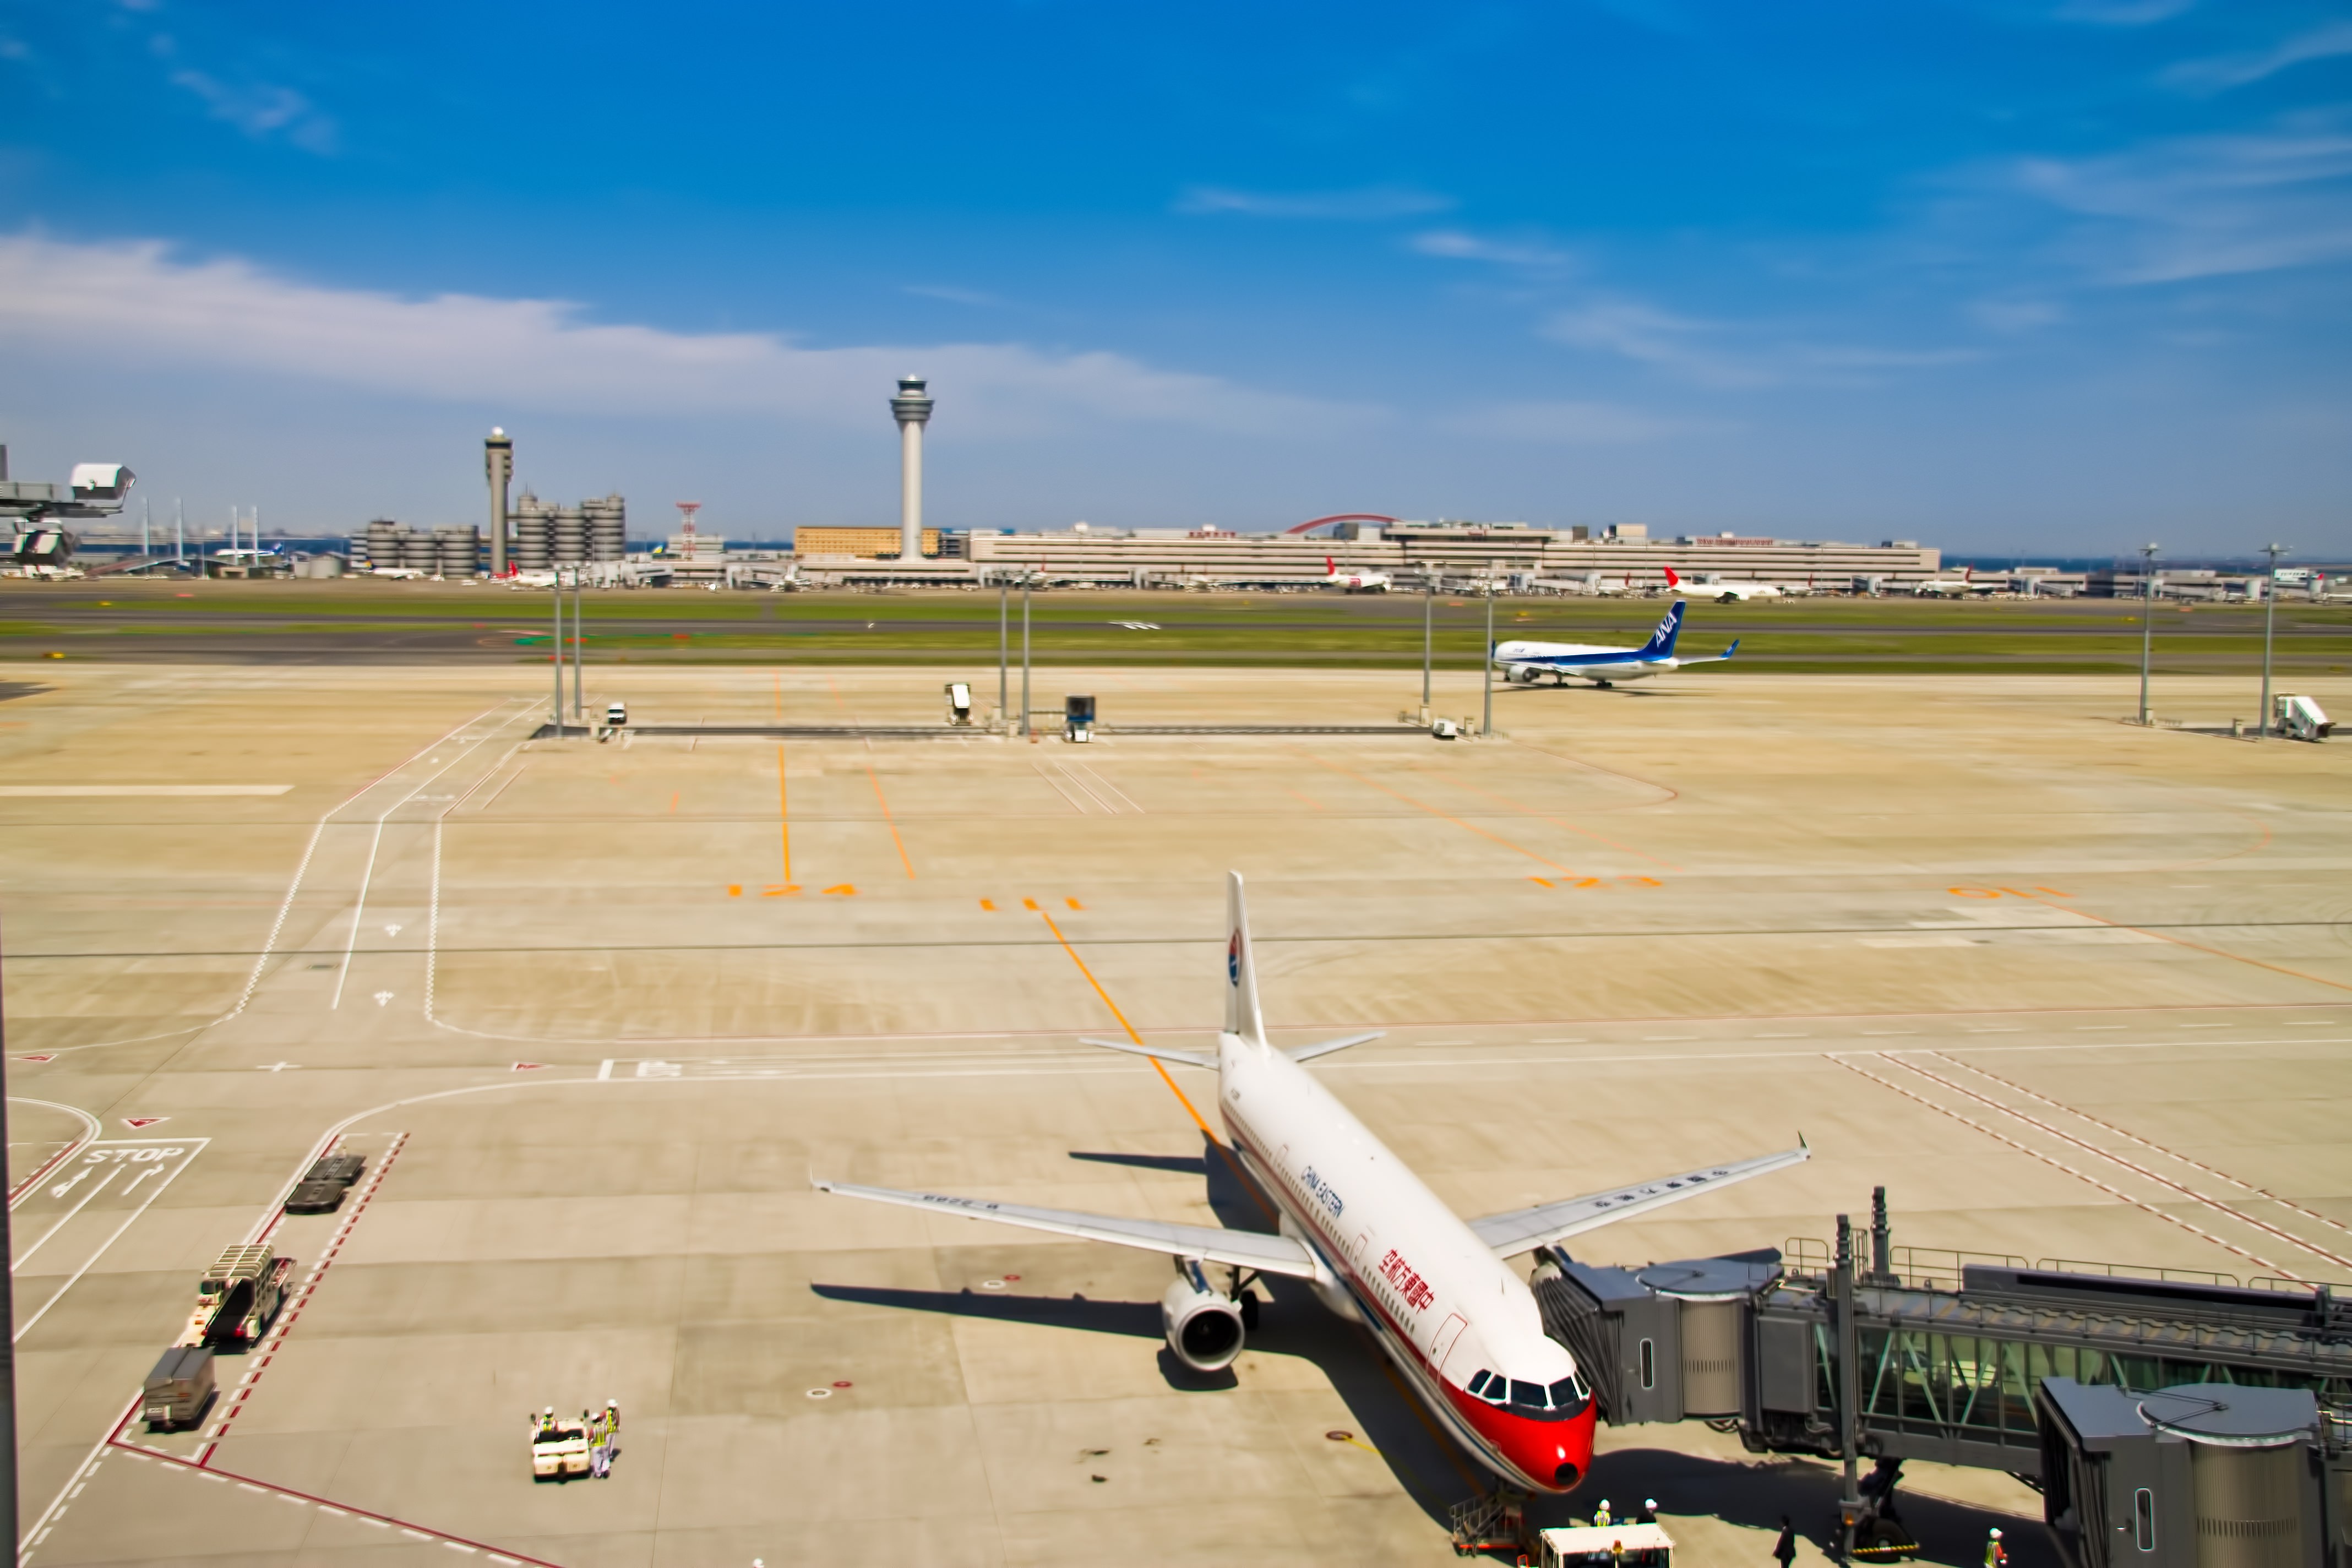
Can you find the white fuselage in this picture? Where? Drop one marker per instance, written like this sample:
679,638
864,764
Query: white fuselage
1441,1305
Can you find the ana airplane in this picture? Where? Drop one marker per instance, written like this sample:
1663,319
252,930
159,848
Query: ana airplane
1354,581
1371,1241
1530,662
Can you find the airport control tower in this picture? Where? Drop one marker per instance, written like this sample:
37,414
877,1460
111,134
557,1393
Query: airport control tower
912,408
498,458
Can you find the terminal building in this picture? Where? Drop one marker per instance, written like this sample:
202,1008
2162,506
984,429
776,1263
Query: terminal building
1414,553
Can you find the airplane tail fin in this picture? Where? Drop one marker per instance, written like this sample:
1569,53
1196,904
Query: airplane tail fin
1673,579
1242,1015
1661,641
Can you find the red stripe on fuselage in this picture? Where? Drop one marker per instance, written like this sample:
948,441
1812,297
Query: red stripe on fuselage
1529,1452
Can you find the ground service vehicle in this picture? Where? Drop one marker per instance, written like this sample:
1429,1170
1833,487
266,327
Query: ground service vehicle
559,1449
2300,719
322,1186
178,1390
617,714
238,1298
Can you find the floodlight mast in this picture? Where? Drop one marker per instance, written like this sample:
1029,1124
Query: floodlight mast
2147,623
2270,619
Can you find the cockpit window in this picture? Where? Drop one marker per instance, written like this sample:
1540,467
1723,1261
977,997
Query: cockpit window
1530,1396
1478,1381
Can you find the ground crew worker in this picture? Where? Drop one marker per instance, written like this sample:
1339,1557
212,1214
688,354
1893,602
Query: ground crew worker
1649,1511
1996,1555
613,1416
1784,1550
1601,1515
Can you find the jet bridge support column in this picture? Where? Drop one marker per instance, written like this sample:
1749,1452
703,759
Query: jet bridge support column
1848,1354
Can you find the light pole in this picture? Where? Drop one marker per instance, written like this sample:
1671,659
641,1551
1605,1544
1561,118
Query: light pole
2269,617
555,715
7,1356
1004,647
2147,623
1025,578
1428,620
1486,658
579,709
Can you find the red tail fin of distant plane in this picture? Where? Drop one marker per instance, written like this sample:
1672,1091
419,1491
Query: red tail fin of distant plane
1672,580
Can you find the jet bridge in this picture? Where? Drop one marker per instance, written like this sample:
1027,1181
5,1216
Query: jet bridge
2181,1422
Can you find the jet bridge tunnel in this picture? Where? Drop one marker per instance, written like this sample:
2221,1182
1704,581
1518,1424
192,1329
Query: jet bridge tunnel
2168,1422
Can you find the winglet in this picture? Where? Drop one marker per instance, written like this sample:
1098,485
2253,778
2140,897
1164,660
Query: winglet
1242,1015
1732,649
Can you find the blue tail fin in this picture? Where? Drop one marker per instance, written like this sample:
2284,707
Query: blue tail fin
1661,641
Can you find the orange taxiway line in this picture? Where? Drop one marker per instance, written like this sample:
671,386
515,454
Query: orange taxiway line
2195,946
1467,827
891,822
1158,1065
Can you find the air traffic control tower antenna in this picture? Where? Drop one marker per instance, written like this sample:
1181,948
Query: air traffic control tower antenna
912,409
497,456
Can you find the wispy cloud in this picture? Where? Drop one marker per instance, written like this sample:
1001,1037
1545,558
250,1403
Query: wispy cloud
2121,13
955,296
1455,245
1367,204
2012,317
1568,423
2203,206
262,110
2219,73
139,299
1730,357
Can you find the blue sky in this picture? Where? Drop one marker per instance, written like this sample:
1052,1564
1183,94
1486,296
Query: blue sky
2054,277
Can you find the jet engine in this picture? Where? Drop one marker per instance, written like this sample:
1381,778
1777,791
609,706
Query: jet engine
1203,1325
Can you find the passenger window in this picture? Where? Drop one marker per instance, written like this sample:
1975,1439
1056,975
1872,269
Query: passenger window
2144,1519
1649,1364
1478,1381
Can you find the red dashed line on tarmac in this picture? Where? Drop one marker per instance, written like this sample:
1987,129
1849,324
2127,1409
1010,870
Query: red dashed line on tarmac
2116,1193
292,1313
2216,1204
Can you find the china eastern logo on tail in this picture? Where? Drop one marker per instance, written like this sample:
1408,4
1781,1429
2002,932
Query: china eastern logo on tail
1528,662
1234,960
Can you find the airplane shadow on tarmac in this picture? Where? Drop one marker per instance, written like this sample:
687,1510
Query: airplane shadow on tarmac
1432,1470
1292,1323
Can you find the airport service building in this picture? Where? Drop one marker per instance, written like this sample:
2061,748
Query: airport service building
1623,556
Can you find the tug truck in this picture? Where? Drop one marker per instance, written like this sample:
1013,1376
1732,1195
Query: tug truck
237,1299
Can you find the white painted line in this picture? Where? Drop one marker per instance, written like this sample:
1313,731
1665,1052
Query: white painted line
156,1191
605,1071
55,792
20,1261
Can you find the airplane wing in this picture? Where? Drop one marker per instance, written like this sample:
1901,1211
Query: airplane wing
1514,1231
1189,1058
1238,1248
1711,658
1325,1048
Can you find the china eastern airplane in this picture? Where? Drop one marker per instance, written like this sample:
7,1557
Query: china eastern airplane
1373,1242
1528,662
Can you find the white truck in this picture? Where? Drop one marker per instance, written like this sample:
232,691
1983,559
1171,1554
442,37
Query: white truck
2300,719
560,1449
